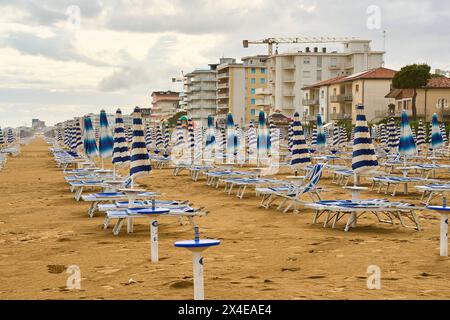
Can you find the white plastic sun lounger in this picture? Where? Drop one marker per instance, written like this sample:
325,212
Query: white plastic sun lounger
334,210
243,183
432,191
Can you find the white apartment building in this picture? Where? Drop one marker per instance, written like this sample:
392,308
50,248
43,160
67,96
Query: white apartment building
199,99
290,72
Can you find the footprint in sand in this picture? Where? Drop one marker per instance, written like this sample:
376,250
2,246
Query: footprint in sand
182,284
316,277
56,268
290,269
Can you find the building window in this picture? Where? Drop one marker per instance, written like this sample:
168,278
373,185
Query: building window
306,74
357,88
253,80
306,60
252,112
333,62
262,80
252,101
322,94
253,70
262,70
319,75
319,62
252,90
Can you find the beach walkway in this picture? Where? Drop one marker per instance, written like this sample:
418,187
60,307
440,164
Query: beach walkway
264,254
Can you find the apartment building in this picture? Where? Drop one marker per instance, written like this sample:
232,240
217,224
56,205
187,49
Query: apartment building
257,96
200,88
164,105
335,99
433,98
292,71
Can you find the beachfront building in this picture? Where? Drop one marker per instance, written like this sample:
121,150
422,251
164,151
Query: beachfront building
292,71
335,99
257,96
199,99
433,98
164,105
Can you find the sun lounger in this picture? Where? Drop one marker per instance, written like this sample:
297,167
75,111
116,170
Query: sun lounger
243,183
396,181
432,191
335,210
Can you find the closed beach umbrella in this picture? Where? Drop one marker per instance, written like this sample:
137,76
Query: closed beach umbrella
121,154
406,147
383,135
10,136
67,135
210,141
274,137
2,139
73,138
443,132
343,136
90,145
321,139
77,134
336,136
231,138
263,143
314,136
148,137
420,138
191,138
392,137
166,138
430,131
159,139
252,141
130,135
290,135
436,136
140,163
300,153
363,157
180,134
106,142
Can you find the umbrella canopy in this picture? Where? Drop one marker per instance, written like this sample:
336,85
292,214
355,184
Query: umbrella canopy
252,141
274,137
420,138
290,136
436,136
383,134
343,136
77,134
407,146
2,139
232,142
191,138
314,136
180,134
159,139
166,137
392,137
443,132
130,135
148,137
90,145
321,139
336,136
121,154
140,163
263,140
300,153
106,142
363,157
67,135
210,141
10,136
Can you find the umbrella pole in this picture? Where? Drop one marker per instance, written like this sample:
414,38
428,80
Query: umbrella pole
114,172
103,165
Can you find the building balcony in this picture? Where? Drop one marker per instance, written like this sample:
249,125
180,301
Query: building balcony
223,85
288,93
290,66
342,98
340,116
398,113
222,106
289,79
310,102
223,75
262,91
222,96
204,97
334,66
262,102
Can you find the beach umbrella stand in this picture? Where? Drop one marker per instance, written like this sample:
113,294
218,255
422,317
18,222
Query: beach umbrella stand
443,210
197,246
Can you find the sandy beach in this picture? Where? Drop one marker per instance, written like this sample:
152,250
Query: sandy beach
264,254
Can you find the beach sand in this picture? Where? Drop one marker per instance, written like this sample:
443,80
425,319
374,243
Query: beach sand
264,254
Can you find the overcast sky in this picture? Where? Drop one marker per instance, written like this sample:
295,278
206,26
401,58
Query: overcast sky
54,66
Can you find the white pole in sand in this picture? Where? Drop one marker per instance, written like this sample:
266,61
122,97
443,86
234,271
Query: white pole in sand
154,240
444,235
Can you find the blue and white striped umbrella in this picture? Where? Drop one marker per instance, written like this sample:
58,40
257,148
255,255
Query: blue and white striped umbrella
106,142
159,139
67,135
166,138
2,139
392,137
10,136
363,157
336,136
263,141
290,136
420,139
140,163
436,136
148,137
77,134
252,141
73,137
407,146
343,136
430,131
191,138
232,142
90,144
300,153
443,132
121,154
274,137
314,136
59,134
321,139
129,135
383,134
210,141
198,143
180,134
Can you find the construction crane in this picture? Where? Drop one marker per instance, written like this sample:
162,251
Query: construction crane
271,41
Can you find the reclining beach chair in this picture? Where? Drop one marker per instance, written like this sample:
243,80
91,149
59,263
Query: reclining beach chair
290,194
432,191
243,183
337,209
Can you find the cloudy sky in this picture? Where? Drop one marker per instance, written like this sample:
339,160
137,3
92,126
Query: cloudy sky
55,66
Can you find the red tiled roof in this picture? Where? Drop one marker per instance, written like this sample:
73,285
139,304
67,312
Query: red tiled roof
438,83
378,73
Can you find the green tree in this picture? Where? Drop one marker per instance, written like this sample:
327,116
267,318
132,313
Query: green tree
413,77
